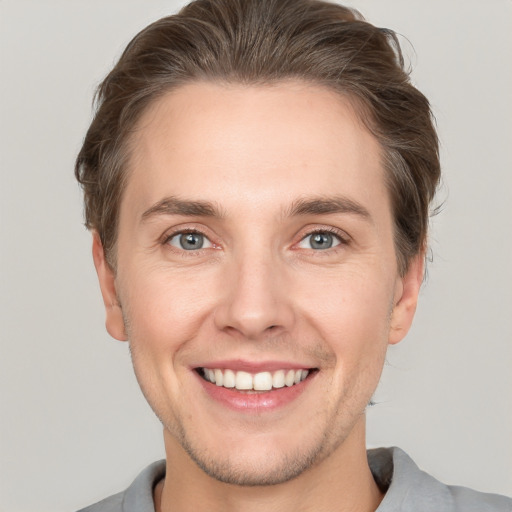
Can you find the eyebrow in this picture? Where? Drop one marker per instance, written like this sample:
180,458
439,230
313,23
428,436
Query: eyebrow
174,206
328,205
301,207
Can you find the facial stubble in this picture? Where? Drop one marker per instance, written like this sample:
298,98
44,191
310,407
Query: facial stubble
301,459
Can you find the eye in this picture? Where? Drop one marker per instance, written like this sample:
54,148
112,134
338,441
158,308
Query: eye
191,241
320,240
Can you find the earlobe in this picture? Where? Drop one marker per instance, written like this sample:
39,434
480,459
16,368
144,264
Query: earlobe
406,298
114,316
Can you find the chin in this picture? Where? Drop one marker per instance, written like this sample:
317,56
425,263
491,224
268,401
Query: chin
262,469
258,460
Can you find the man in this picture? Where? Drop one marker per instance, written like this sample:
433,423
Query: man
257,179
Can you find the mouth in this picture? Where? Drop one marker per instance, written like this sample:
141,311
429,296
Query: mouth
251,391
261,381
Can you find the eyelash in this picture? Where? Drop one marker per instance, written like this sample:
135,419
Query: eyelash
341,237
185,231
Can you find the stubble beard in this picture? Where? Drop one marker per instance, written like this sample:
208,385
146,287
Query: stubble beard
283,467
230,470
238,473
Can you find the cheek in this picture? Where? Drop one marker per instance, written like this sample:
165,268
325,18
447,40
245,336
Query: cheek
163,311
165,308
352,314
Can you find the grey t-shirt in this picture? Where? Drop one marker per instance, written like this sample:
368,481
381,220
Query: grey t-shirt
407,488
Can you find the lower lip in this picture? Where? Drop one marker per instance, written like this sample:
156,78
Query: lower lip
255,402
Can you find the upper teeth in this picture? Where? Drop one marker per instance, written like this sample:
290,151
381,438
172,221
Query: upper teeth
262,381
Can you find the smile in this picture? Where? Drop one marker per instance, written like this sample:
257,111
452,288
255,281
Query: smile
254,388
245,381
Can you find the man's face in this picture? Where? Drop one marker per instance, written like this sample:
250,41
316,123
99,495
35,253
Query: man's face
256,245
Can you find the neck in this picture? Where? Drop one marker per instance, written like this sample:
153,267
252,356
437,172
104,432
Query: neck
340,482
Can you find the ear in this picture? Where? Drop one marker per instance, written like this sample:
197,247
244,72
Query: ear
407,290
114,315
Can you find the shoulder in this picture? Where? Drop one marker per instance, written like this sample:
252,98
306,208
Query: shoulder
469,500
111,504
411,489
138,497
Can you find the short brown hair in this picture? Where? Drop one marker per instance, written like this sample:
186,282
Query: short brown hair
261,42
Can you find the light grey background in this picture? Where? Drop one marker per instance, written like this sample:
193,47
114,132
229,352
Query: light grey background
73,424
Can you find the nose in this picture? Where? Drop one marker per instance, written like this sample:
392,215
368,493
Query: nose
255,300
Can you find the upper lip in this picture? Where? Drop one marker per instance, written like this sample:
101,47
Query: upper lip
253,366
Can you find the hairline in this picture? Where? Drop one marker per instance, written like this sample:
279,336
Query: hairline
358,105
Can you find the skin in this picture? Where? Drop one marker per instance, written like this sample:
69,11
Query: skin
258,290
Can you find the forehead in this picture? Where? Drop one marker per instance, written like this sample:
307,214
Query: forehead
253,145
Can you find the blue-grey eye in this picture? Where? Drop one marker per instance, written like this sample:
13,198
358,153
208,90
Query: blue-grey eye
190,241
319,241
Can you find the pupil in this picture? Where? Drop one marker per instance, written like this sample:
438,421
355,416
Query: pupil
191,241
321,241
